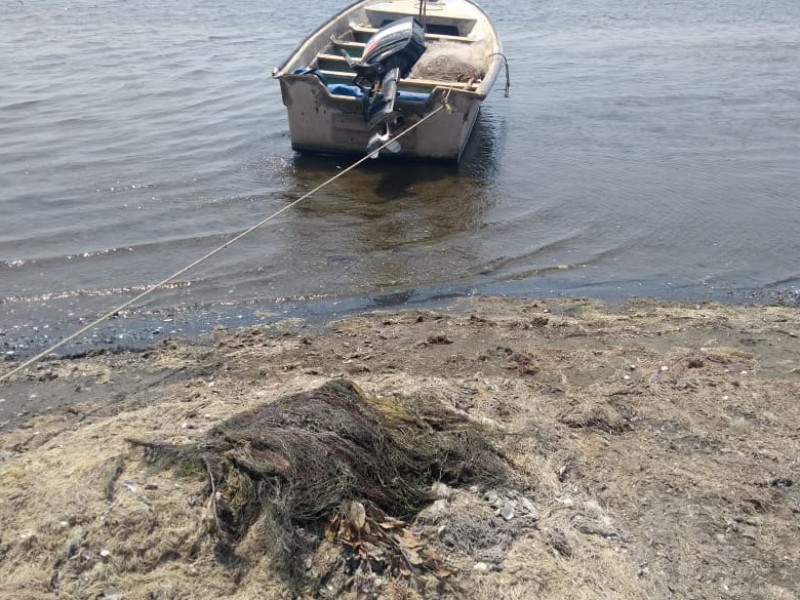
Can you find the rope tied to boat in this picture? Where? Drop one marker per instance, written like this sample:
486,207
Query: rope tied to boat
114,312
508,72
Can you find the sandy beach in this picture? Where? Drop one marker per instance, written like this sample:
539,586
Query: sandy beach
651,450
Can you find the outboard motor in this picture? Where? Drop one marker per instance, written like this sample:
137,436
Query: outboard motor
389,56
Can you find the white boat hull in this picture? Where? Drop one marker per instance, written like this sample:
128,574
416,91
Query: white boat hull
319,122
327,122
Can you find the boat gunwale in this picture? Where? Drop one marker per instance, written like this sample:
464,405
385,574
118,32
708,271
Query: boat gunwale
483,86
411,81
439,87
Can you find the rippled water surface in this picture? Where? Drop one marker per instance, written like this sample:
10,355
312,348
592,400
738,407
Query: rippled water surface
647,148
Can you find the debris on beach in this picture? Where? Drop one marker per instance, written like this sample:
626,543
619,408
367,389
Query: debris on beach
333,468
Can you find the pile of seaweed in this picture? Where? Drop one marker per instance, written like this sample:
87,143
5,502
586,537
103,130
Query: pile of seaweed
335,465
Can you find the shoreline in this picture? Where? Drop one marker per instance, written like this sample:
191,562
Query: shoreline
139,329
656,441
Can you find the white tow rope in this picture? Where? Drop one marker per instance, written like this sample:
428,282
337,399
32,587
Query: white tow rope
6,376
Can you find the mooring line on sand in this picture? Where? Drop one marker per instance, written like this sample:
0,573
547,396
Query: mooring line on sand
6,376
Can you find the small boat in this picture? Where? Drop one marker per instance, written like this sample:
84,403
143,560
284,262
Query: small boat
381,68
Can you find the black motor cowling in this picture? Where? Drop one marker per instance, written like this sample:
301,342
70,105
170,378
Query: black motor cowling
388,56
396,45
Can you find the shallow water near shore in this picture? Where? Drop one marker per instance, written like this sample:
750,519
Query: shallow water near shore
646,150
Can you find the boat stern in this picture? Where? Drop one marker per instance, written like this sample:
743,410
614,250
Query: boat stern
324,122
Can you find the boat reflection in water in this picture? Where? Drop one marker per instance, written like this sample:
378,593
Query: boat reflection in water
388,226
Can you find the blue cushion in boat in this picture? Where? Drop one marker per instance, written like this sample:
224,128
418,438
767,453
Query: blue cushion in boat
343,89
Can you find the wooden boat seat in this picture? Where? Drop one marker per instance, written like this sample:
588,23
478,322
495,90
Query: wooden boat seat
362,33
333,62
354,49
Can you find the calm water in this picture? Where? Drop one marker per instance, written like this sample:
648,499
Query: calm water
648,148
